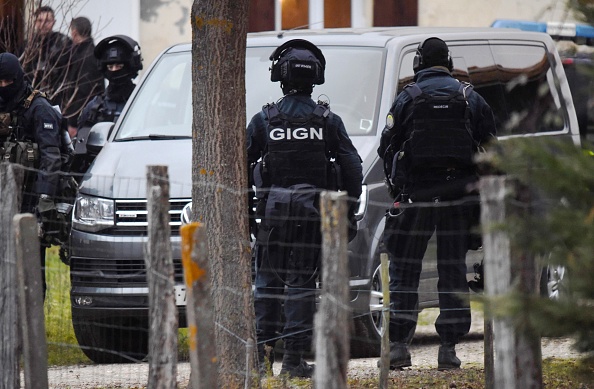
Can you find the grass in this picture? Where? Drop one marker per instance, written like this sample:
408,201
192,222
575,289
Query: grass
62,345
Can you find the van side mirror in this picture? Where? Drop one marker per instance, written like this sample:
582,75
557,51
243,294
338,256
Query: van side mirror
98,137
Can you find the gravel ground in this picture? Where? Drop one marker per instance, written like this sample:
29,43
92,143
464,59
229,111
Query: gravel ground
423,350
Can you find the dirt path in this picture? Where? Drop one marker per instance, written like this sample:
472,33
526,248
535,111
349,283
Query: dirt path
423,350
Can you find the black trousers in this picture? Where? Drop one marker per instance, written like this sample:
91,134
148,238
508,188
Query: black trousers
407,245
289,292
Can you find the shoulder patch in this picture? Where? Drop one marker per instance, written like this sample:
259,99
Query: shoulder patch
389,121
48,126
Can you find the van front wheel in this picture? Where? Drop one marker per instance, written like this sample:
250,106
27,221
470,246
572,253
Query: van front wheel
367,333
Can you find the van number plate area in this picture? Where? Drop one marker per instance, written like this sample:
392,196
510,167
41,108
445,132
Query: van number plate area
180,294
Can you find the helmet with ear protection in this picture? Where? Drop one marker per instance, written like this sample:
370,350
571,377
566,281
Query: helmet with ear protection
439,55
119,49
298,62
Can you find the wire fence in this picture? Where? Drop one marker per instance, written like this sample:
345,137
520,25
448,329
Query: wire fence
96,307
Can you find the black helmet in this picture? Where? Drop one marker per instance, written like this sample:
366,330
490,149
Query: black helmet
11,69
298,62
119,49
432,52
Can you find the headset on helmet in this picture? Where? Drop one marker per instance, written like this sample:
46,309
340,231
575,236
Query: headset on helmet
119,49
418,62
299,62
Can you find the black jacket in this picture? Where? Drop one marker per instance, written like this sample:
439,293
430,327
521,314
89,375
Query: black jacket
301,105
84,79
45,60
431,183
41,124
437,81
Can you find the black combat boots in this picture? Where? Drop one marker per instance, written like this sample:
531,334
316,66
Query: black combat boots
399,356
295,366
446,358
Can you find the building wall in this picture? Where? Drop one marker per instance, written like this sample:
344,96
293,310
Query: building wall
108,17
395,13
261,15
157,24
162,24
481,13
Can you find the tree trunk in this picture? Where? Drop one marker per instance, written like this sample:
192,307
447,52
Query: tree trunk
219,191
30,298
199,312
159,270
333,319
512,348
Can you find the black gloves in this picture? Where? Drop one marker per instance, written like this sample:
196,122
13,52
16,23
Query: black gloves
49,219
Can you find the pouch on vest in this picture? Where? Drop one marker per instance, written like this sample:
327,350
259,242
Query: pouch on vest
24,153
5,124
398,174
291,232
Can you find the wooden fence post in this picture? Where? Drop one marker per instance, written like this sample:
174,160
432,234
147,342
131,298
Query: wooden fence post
10,191
30,296
199,307
512,355
159,270
385,346
333,319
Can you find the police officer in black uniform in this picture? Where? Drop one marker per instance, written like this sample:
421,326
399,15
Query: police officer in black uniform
120,60
435,126
31,124
296,147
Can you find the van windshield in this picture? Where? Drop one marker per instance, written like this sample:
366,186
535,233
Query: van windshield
162,109
352,85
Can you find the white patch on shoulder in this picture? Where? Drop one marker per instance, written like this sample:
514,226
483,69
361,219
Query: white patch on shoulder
48,126
389,121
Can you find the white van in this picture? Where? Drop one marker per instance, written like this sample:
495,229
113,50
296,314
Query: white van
366,69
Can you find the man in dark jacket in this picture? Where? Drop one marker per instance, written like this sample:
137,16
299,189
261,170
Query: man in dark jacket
435,126
33,121
290,145
84,79
45,55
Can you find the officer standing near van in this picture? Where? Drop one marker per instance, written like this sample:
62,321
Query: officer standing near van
433,129
31,131
296,148
119,59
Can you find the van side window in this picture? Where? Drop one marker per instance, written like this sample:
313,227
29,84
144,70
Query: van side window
509,77
405,71
524,73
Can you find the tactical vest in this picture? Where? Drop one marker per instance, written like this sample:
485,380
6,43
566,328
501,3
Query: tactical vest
16,148
441,137
105,110
300,150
